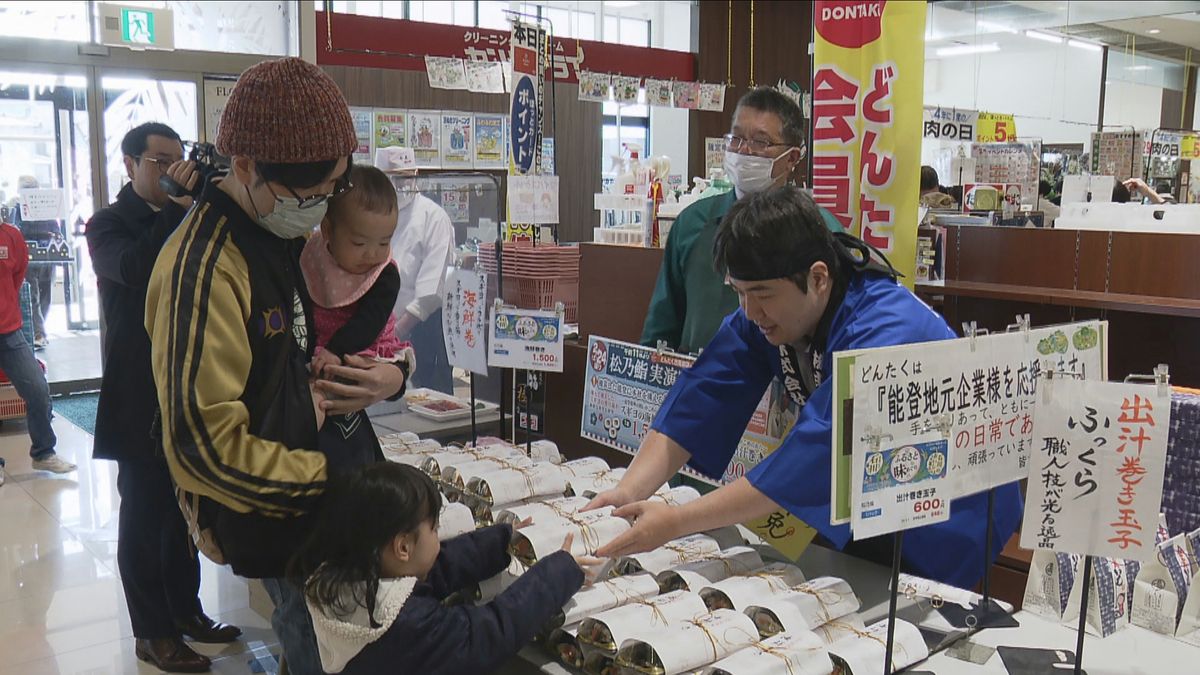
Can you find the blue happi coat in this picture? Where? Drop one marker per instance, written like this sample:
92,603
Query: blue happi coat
709,407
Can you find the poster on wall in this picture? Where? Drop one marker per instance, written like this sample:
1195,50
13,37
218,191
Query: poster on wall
594,86
712,97
658,92
490,148
216,93
995,128
485,77
424,132
391,128
457,205
547,155
686,95
457,137
625,89
949,124
362,117
533,199
866,109
714,154
445,73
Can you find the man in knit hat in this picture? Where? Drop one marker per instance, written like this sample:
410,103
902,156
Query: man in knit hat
228,314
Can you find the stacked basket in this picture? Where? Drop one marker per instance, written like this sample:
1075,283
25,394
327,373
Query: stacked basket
536,277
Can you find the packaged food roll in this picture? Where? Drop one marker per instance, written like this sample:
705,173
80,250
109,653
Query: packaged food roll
808,606
695,575
455,476
676,496
742,592
671,554
839,629
410,453
592,530
799,653
688,645
549,510
605,595
436,464
399,437
593,484
579,468
606,631
545,451
540,479
455,519
864,652
563,646
431,463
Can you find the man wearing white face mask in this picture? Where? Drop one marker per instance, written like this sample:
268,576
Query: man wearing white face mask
764,149
227,312
423,247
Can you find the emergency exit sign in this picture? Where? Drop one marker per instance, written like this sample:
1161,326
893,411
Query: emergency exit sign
137,27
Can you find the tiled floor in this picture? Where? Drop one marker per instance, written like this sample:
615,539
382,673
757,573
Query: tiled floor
61,606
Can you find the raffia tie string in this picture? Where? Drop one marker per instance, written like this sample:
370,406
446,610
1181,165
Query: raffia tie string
822,601
864,634
777,653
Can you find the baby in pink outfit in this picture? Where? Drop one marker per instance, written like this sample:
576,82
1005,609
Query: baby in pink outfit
351,276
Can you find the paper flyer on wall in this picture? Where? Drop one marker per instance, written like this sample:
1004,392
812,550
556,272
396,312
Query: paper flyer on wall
983,387
485,77
490,148
390,128
445,72
658,92
714,154
424,131
594,86
949,124
457,138
625,89
1097,470
686,95
712,97
526,339
533,199
457,204
42,203
362,118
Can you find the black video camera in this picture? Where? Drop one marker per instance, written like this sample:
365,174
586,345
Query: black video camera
208,164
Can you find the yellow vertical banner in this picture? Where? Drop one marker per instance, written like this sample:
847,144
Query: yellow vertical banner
867,93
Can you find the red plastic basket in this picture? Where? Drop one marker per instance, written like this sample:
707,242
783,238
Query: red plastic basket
528,293
11,405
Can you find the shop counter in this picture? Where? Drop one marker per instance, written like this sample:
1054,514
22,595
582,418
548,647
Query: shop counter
393,416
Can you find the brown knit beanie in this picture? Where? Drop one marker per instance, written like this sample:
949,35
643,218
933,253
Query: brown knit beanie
286,111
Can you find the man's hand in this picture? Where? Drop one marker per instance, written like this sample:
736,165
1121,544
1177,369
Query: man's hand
369,383
184,172
615,497
654,524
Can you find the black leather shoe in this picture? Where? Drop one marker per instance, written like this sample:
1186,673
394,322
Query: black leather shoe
203,629
172,656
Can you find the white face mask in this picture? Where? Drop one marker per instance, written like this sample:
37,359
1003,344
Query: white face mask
750,174
288,220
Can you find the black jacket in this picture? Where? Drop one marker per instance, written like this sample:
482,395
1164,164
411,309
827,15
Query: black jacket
124,239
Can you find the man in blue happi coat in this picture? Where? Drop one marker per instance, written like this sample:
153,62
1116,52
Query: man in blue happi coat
804,294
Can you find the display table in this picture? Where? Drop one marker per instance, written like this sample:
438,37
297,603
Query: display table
391,417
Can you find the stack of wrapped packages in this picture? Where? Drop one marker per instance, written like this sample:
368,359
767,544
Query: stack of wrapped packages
703,603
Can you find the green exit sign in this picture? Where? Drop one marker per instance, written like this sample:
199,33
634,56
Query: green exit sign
137,26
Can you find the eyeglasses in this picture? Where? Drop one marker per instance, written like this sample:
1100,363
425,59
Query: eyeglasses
738,144
342,186
161,164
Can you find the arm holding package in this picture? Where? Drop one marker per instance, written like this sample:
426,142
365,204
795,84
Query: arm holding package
470,558
196,314
707,410
432,638
439,253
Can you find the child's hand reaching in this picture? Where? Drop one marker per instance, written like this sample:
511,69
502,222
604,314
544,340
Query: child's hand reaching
321,360
589,564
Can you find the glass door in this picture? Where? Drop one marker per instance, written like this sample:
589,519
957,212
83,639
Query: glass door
131,101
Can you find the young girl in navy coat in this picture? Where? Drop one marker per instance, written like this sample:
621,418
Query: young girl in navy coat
375,575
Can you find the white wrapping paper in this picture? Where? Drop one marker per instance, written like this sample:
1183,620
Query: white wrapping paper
540,479
673,553
929,589
1155,599
798,653
840,629
607,595
438,465
593,484
432,463
688,645
810,605
676,496
1189,620
541,512
545,451
746,591
456,475
631,620
592,530
454,520
696,575
863,655
579,468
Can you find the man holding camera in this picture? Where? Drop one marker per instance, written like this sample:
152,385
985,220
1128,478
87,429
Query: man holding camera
228,315
160,571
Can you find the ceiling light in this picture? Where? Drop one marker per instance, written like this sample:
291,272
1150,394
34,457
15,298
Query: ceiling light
620,5
1139,67
961,50
1045,37
1154,31
1090,46
992,27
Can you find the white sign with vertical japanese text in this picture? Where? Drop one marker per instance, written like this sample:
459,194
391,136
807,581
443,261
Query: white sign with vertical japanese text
464,320
1096,473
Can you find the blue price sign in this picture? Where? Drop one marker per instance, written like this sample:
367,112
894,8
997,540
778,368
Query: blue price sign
523,127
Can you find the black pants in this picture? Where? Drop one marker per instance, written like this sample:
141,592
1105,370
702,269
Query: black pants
159,571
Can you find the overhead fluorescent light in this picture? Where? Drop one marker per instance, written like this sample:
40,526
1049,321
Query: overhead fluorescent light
961,50
622,4
1154,31
1044,37
1139,67
992,27
1090,46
